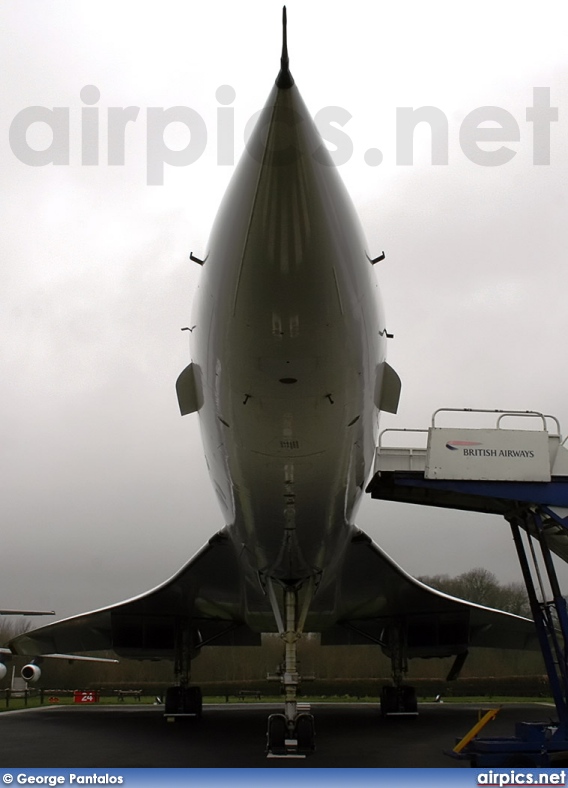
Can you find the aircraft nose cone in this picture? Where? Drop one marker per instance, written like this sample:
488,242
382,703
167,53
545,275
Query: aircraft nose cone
285,132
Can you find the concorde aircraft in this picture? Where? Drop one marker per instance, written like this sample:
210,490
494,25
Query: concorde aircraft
288,378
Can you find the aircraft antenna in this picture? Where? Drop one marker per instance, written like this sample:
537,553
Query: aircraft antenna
284,80
284,61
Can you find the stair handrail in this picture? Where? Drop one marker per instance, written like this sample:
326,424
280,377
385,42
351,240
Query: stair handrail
543,416
504,413
398,429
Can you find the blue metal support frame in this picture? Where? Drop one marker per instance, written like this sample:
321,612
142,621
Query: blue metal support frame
553,653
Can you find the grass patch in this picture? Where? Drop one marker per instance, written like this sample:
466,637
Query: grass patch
491,699
34,701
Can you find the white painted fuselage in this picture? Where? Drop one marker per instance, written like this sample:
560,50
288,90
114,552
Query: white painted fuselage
289,351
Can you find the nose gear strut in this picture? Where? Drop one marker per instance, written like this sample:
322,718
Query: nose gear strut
292,733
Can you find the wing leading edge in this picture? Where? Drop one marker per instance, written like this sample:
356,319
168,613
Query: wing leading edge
205,596
376,598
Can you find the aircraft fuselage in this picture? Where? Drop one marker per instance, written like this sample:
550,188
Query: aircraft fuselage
289,347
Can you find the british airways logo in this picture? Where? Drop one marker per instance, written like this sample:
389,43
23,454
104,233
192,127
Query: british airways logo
470,449
455,445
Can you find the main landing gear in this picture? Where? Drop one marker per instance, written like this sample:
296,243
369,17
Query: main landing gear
291,734
398,700
183,701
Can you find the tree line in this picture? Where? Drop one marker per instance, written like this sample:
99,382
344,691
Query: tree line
482,587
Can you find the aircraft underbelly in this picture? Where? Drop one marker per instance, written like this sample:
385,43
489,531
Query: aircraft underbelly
291,437
294,522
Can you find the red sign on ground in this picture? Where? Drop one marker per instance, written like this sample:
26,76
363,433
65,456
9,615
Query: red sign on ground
86,696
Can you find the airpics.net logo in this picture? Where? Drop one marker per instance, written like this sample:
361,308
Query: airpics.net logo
513,777
57,145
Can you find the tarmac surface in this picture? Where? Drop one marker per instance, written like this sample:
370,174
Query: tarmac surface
347,735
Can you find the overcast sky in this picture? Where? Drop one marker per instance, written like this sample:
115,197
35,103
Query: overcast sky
104,490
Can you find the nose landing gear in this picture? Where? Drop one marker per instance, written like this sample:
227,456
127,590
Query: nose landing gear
295,740
291,734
